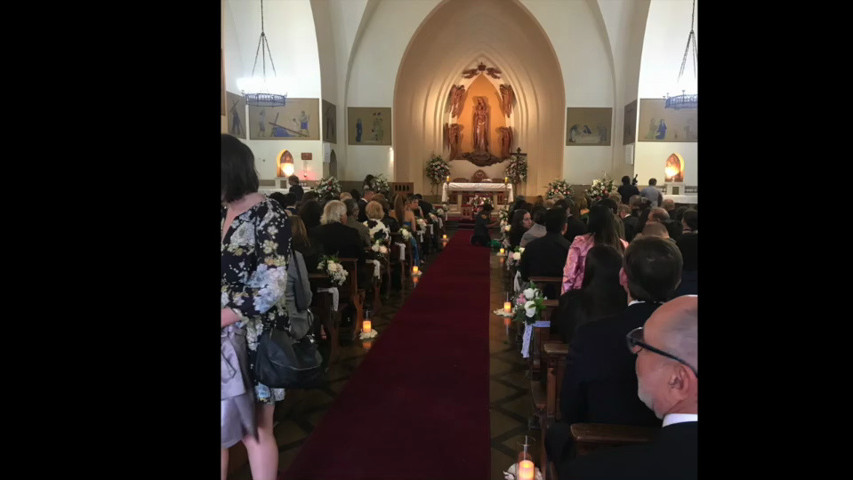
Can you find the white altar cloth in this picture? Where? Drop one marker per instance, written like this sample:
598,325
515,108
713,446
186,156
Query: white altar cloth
475,187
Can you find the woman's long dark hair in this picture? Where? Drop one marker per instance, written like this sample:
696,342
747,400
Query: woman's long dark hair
517,229
600,295
602,225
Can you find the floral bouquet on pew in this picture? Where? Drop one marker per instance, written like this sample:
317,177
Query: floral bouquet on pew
514,257
529,305
332,266
406,233
422,224
379,247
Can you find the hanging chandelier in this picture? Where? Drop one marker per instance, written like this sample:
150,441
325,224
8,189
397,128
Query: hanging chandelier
261,91
686,100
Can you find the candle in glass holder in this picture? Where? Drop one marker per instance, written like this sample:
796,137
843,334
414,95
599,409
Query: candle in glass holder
502,251
448,179
526,470
365,326
415,270
506,179
444,237
507,307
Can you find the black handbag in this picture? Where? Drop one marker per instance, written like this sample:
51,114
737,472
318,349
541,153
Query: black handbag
283,362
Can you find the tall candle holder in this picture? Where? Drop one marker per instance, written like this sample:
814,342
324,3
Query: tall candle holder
525,469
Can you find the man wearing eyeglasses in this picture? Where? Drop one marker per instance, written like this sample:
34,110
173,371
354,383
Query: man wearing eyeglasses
600,384
667,369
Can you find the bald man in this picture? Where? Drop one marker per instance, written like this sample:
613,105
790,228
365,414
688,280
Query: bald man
668,383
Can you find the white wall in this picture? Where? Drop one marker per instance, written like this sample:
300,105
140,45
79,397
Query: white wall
289,28
663,50
375,61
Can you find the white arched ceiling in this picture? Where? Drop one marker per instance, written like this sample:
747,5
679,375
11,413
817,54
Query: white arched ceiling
457,35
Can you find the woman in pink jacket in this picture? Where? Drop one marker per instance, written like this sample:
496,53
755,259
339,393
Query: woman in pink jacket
601,231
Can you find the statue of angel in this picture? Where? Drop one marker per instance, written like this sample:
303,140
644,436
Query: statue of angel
457,99
507,99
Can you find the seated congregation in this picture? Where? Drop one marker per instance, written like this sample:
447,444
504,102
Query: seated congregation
613,355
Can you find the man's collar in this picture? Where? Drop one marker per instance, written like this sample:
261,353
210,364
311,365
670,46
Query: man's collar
673,418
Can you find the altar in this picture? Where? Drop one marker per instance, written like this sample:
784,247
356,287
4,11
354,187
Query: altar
492,188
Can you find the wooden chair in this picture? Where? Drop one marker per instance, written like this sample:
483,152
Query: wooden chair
321,306
405,267
352,295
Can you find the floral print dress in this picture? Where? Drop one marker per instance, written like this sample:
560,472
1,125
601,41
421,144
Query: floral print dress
254,257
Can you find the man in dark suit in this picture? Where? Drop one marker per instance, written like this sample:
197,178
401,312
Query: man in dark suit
574,227
362,204
295,188
667,370
546,256
600,385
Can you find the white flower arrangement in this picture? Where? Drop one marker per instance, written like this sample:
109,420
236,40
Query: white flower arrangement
379,247
381,185
331,265
559,187
437,170
328,188
421,223
367,336
600,188
529,304
440,211
406,234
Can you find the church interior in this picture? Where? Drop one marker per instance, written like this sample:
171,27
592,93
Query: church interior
464,102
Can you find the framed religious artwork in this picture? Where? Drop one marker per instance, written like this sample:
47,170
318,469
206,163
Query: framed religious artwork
588,126
661,124
236,114
299,119
368,126
330,122
629,131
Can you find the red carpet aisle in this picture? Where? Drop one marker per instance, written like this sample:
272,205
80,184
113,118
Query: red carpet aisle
408,413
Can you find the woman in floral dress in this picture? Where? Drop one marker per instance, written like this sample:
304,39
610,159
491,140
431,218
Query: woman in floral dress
255,246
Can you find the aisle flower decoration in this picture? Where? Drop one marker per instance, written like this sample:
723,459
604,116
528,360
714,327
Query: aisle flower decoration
406,233
332,266
422,224
329,188
558,187
600,188
516,170
381,185
529,305
379,247
514,256
441,210
437,170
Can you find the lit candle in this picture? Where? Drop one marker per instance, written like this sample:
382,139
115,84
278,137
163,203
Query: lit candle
507,307
366,326
444,237
526,470
448,179
502,251
506,179
415,270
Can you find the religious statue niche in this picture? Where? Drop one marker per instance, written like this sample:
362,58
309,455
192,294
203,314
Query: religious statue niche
481,133
507,99
453,138
674,169
457,100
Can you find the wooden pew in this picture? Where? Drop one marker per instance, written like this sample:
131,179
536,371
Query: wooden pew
591,436
321,306
555,365
352,295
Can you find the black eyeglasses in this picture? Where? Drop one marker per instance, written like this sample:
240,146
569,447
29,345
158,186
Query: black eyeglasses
635,341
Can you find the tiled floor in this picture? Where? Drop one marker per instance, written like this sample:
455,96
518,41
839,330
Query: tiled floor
509,387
